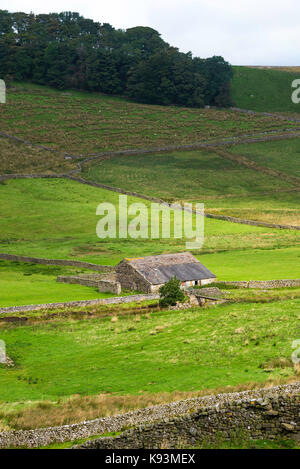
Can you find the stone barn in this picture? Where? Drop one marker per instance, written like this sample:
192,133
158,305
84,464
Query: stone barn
147,274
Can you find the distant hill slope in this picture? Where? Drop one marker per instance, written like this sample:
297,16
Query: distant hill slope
82,123
267,90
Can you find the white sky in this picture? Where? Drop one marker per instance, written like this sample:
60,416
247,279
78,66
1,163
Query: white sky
245,32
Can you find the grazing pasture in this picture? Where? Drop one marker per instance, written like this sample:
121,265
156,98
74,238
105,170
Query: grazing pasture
56,218
265,90
75,365
83,123
17,158
161,352
25,284
224,186
282,155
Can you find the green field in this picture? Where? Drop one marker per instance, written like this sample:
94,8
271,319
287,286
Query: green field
57,218
78,364
25,284
17,158
161,352
283,155
264,90
226,187
252,264
181,175
82,123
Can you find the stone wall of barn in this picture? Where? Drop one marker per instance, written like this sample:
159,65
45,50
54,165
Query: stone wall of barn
130,279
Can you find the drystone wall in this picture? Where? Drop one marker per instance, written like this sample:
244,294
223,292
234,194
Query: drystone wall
78,304
109,286
85,280
263,284
270,415
261,413
63,262
104,283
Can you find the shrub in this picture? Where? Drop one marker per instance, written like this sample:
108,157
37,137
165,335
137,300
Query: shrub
170,293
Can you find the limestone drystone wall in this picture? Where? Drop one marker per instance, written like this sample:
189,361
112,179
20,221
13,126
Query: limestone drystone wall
263,284
109,286
63,262
104,283
79,304
264,413
270,415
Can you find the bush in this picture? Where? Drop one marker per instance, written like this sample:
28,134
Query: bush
170,293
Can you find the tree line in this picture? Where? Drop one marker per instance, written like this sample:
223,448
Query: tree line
66,50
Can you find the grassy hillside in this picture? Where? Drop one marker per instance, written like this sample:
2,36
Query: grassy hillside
264,90
25,284
226,187
67,369
84,123
160,352
180,176
57,219
17,158
283,156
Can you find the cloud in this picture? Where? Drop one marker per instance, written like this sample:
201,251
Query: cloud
247,32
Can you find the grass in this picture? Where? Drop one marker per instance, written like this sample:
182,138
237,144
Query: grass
57,219
202,175
25,284
255,264
264,90
84,123
247,295
224,186
17,158
69,444
277,207
67,370
282,155
130,343
160,352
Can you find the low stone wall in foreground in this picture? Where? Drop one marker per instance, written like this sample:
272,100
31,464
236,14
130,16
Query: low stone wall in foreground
268,414
264,413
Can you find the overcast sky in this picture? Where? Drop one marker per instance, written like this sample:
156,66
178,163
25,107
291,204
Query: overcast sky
245,32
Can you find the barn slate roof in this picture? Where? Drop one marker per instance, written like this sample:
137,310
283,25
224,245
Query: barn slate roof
159,269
